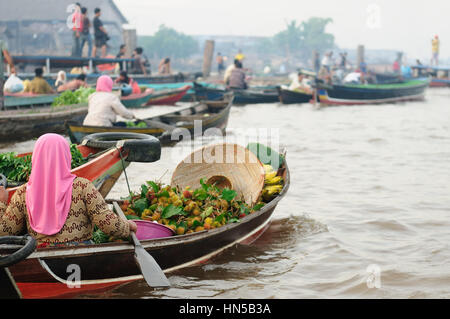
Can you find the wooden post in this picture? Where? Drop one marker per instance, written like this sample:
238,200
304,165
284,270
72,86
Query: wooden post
359,55
130,40
207,57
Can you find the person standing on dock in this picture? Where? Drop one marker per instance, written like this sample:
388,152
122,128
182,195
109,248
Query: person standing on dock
4,56
220,61
77,21
121,55
435,43
100,34
240,56
85,34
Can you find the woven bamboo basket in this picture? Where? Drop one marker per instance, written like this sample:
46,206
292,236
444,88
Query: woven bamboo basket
225,165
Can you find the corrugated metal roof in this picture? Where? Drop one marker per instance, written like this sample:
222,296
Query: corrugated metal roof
20,10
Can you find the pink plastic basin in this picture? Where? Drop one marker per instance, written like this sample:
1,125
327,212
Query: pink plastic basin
150,230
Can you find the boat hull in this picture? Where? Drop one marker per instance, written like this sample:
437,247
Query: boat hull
218,120
18,100
292,97
20,127
169,97
376,94
241,97
136,100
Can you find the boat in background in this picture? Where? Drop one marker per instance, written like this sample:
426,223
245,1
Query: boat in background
287,96
212,114
167,97
137,99
22,125
440,75
67,63
241,96
359,94
27,100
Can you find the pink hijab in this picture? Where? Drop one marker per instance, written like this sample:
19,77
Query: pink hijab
104,84
49,189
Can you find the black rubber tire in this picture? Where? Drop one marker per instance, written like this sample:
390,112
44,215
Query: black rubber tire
141,147
3,181
29,245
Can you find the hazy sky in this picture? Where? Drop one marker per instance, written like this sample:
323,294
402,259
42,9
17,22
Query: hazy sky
378,24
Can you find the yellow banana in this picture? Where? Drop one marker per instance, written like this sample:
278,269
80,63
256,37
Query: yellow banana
274,180
267,168
270,175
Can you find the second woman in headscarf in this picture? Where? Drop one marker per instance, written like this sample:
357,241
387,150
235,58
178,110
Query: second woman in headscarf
104,106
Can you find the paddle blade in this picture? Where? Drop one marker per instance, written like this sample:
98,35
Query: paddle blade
153,274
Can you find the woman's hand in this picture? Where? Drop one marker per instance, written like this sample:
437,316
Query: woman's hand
4,195
133,226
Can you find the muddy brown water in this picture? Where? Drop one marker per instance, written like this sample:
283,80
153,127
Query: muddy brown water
367,214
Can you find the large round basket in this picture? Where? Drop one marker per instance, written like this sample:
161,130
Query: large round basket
225,165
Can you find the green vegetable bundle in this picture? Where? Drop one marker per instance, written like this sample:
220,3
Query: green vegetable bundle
80,96
18,169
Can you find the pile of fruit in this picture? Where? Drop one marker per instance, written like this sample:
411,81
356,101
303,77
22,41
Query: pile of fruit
18,169
79,96
188,211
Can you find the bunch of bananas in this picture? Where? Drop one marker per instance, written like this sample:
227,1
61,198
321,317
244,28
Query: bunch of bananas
273,184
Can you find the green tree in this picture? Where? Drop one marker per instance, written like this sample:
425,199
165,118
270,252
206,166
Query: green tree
299,39
168,42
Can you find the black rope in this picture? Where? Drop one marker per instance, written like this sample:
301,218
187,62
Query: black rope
124,170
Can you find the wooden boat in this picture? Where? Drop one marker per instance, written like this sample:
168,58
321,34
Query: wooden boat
440,75
210,113
28,100
167,97
241,97
136,100
188,97
69,62
287,96
384,78
46,272
355,94
23,125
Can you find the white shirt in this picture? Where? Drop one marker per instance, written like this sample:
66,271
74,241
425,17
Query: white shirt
103,108
352,77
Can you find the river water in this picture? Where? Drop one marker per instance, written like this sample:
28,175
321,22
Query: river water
367,214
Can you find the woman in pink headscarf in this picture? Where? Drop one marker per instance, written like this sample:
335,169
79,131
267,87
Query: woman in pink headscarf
104,105
56,206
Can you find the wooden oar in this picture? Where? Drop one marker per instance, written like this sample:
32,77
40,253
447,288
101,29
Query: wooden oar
153,274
